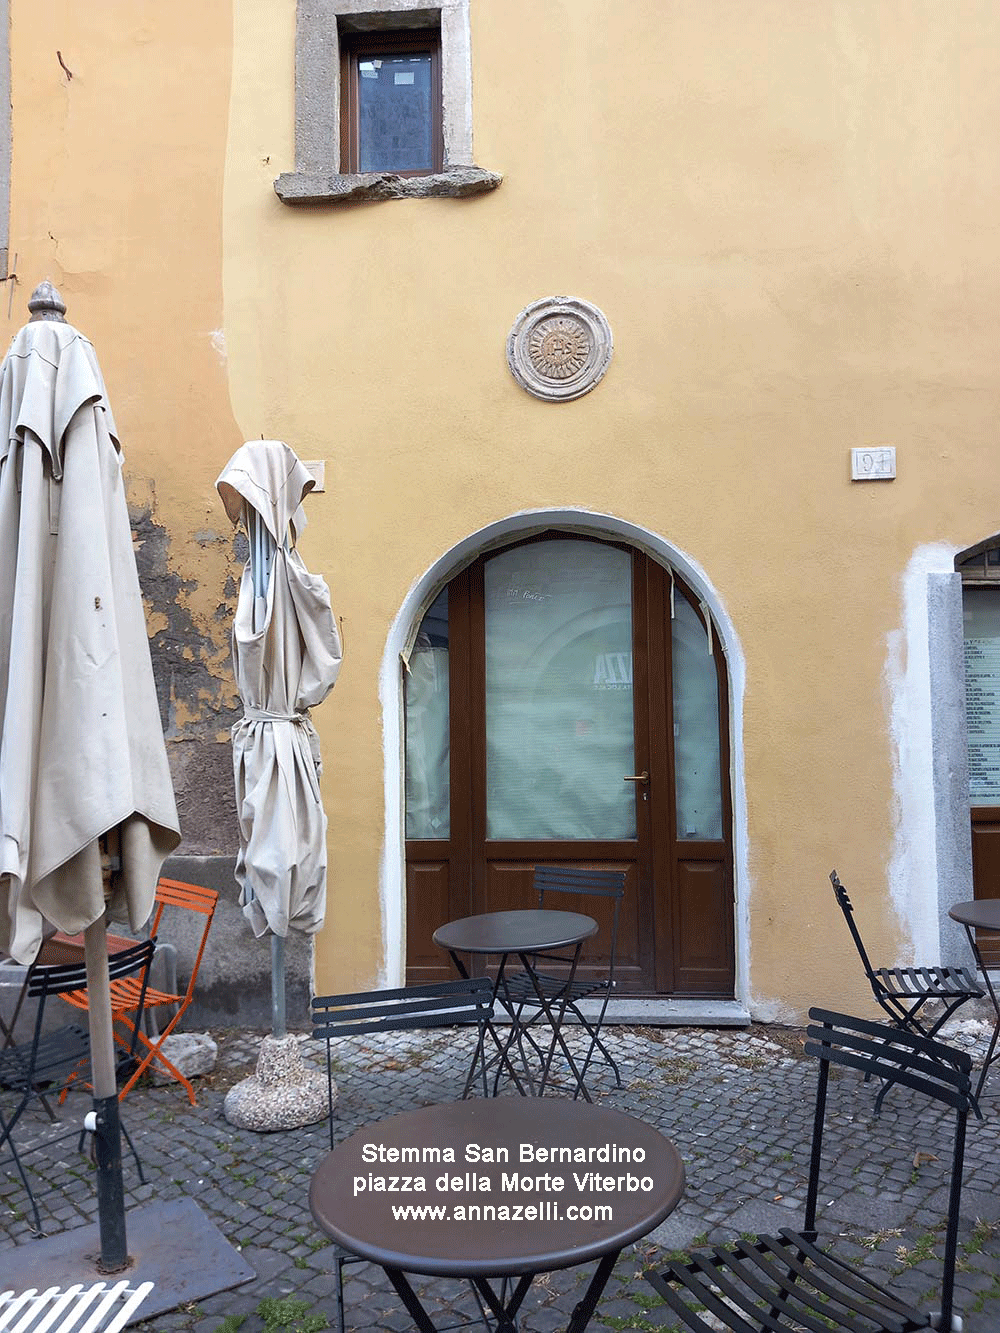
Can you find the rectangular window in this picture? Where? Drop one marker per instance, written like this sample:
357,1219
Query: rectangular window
391,102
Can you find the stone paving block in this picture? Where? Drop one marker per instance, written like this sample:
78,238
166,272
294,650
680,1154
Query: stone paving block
737,1105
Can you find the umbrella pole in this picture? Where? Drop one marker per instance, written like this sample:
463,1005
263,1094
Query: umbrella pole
107,1126
278,985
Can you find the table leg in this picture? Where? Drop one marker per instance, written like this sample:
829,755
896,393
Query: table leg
557,1038
409,1298
503,1047
595,1288
991,1050
505,1308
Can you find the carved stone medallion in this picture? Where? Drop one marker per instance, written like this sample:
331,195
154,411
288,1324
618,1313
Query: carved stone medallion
559,348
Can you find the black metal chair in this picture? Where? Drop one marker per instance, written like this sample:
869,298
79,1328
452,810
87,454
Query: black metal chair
54,1060
519,989
411,1008
903,991
787,1281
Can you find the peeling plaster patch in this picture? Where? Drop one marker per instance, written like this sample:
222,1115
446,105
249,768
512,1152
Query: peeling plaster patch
209,536
218,340
912,873
185,658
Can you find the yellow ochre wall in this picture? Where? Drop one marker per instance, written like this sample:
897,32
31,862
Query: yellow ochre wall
787,213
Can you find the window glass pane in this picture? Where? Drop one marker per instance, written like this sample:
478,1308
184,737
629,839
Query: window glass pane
428,787
696,727
981,609
395,116
559,732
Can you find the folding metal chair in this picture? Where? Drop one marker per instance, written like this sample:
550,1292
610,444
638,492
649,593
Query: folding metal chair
130,1001
52,1061
94,1309
903,991
435,1004
767,1283
519,988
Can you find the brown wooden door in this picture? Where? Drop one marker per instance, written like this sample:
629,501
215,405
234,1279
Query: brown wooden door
563,750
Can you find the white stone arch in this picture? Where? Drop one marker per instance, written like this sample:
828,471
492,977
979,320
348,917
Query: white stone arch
392,869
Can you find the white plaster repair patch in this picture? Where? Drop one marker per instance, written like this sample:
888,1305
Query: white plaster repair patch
218,340
912,873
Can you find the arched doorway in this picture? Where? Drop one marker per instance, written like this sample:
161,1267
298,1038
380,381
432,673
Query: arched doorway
566,701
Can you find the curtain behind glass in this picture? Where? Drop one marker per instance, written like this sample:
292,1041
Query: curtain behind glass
559,730
428,785
697,770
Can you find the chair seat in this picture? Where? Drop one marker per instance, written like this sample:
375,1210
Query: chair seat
126,995
519,988
58,1054
941,983
779,1282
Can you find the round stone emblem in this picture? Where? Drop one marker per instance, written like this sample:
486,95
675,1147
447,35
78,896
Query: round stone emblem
559,348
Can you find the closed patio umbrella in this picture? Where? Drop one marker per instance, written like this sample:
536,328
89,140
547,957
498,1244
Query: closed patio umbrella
286,657
87,811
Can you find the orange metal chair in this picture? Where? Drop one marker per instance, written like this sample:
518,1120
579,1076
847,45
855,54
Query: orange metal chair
129,1004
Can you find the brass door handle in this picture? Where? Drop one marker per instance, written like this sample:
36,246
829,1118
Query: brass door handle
637,777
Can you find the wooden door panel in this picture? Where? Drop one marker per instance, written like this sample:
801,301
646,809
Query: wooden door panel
428,905
703,916
986,852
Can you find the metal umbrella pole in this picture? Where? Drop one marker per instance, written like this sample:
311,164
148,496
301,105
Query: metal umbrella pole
262,547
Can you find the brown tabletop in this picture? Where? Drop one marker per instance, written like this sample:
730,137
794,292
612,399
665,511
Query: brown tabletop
504,1216
983,914
533,931
524,934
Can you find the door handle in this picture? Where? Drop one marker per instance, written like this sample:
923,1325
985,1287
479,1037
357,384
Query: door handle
637,777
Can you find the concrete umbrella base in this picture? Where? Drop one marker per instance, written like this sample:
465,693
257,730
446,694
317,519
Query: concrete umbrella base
283,1094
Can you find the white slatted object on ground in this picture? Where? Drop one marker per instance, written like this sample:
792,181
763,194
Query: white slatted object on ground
95,1309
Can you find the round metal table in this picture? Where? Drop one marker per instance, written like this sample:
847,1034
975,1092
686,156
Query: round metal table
522,934
983,914
511,1187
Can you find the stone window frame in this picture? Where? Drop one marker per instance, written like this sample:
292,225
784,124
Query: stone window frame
317,177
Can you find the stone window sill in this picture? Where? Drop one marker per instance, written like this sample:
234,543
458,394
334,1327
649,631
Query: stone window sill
298,187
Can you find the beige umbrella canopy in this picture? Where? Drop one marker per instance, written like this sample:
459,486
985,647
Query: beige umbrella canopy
87,812
286,657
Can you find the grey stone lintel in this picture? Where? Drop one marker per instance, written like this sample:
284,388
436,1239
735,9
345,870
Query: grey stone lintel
299,187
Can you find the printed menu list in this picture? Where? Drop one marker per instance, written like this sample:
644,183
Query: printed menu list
982,705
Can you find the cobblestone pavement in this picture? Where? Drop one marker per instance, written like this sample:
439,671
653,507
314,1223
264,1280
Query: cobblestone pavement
736,1102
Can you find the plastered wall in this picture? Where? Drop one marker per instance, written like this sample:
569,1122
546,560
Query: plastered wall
787,214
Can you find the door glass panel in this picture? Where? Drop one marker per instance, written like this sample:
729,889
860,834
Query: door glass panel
559,730
428,786
698,775
981,611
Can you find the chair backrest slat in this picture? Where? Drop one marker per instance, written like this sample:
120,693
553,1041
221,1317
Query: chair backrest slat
57,978
407,1009
928,1067
844,902
570,879
410,1008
